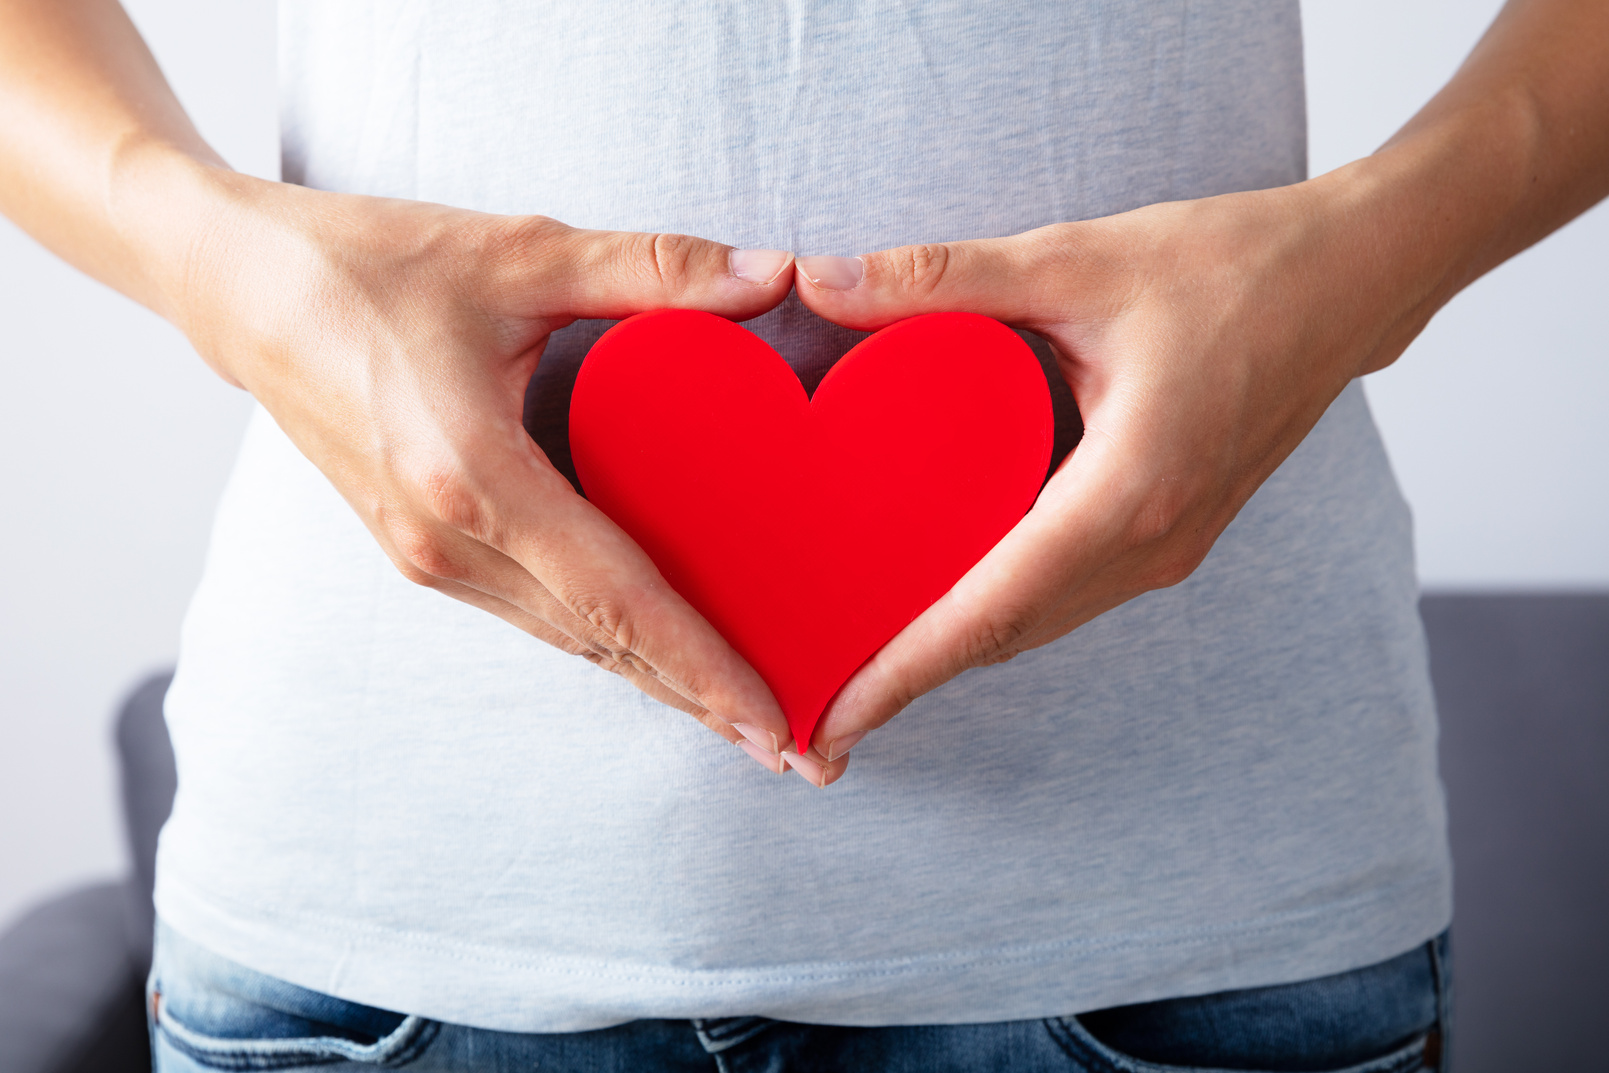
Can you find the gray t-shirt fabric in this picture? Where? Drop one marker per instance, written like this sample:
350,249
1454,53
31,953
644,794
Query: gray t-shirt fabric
400,800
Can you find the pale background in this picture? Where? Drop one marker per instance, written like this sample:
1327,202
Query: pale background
115,440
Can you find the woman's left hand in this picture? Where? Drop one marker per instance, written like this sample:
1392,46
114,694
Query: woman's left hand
1202,341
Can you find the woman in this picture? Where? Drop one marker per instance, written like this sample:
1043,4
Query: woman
1203,830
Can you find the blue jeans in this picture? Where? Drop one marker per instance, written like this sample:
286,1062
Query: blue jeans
212,1014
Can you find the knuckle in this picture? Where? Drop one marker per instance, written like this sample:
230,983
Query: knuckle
414,574
604,616
526,236
671,258
1047,246
902,695
630,661
1177,560
1042,255
1165,573
609,625
524,242
1153,523
643,667
921,268
536,228
995,637
449,500
606,655
423,557
1169,537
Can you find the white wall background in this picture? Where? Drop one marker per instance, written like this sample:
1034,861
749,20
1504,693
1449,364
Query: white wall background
115,440
1497,418
114,444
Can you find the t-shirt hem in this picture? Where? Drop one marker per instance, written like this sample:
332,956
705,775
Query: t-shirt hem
448,979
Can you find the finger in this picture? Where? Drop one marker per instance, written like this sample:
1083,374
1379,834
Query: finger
815,768
545,631
646,682
508,497
613,274
491,483
604,578
437,556
481,576
997,277
476,574
1062,565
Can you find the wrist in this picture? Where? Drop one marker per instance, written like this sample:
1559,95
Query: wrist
164,204
1432,210
186,223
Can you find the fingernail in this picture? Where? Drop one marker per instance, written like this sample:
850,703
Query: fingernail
841,746
770,761
759,736
758,266
833,273
813,773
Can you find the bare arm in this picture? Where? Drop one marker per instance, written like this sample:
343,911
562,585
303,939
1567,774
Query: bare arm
96,155
391,340
1204,339
1515,146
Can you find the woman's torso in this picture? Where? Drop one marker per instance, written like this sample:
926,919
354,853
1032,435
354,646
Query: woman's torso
403,801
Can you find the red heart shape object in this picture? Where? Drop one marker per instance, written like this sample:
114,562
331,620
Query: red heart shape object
809,531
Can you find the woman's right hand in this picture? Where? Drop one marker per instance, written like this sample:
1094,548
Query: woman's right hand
393,341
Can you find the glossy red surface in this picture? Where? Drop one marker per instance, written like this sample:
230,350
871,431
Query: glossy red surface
809,531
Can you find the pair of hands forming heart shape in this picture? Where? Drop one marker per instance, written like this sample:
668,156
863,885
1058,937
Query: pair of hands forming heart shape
1199,358
392,341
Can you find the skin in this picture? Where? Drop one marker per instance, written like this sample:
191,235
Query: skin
1204,339
392,341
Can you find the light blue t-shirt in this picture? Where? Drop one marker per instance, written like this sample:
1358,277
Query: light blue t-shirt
403,801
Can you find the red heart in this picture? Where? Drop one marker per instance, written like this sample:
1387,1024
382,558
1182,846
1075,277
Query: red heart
809,531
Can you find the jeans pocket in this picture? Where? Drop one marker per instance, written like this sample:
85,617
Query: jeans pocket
1419,1053
210,1013
1389,1017
293,1052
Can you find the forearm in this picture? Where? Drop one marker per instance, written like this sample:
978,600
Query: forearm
98,161
1542,74
1513,147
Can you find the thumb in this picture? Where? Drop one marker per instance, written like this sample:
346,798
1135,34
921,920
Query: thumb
997,277
613,274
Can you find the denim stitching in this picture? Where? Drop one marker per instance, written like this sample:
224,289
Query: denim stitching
403,1044
1076,1042
717,1034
